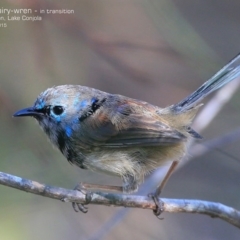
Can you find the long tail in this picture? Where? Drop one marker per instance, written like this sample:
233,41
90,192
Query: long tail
228,73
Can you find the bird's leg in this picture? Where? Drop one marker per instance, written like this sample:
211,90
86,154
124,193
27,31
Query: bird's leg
84,187
156,194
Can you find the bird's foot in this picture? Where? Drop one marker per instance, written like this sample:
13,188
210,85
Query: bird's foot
159,204
88,197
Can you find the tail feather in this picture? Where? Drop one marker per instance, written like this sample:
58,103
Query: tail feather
225,75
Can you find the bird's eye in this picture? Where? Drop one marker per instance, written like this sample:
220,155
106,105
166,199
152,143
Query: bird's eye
57,110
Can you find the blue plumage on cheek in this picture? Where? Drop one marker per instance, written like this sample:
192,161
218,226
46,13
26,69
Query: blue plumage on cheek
68,131
58,118
75,121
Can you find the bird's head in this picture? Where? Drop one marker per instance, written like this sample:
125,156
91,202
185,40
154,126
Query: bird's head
60,110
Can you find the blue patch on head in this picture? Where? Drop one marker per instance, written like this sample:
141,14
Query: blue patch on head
76,100
83,103
65,96
94,100
68,131
39,104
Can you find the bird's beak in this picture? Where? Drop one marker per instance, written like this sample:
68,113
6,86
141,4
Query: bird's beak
30,111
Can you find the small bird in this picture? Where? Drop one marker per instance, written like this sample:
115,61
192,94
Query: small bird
118,135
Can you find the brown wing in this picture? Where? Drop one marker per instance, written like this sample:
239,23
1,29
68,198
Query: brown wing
129,127
144,137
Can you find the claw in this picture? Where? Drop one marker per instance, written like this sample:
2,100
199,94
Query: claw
159,205
88,197
79,207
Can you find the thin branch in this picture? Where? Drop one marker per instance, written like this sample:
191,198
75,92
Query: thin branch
218,210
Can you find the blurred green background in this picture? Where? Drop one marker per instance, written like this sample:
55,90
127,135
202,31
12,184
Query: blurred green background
156,50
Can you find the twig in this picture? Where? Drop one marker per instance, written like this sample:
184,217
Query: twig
218,210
